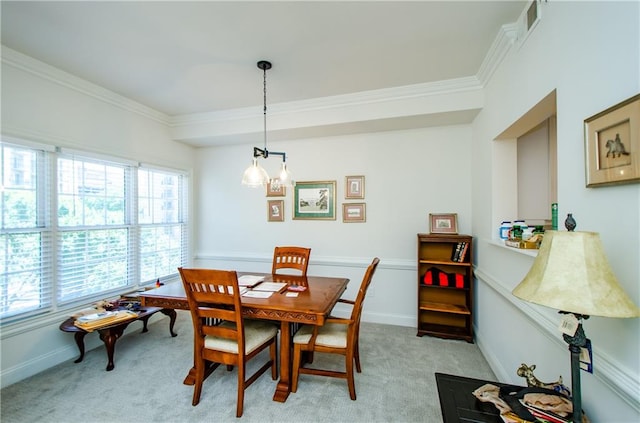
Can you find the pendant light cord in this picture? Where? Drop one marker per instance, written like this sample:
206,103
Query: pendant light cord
264,91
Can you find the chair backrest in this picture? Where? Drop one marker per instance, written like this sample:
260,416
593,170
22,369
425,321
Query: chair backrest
214,296
356,313
291,258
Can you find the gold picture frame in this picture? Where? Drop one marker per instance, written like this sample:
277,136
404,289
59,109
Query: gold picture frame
276,190
612,144
275,210
314,200
354,187
443,223
354,212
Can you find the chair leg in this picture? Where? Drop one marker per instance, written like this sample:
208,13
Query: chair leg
296,367
199,378
241,385
350,381
356,355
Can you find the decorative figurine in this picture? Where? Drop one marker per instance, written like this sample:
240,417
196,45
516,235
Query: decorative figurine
570,223
527,373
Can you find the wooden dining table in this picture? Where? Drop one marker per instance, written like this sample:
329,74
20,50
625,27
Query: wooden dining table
311,306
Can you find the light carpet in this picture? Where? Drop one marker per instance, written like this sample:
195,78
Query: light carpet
397,383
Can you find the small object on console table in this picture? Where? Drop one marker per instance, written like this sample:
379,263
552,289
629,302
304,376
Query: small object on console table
570,223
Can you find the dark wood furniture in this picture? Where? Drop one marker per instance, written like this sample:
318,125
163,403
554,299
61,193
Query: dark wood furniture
337,336
458,404
291,258
110,334
216,311
311,306
445,297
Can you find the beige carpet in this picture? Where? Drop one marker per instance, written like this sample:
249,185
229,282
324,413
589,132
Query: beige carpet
397,383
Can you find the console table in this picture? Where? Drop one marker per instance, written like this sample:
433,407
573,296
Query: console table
458,403
110,334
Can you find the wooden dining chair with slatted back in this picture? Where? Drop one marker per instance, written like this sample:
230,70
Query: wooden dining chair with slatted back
336,336
221,335
289,257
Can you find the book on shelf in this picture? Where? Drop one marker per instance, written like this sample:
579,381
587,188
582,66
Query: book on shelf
463,252
455,253
459,251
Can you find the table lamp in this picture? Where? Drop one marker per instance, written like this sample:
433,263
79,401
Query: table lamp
572,274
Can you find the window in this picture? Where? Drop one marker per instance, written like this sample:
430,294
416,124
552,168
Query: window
94,233
112,226
163,229
26,243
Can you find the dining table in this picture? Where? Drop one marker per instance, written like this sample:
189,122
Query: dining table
311,306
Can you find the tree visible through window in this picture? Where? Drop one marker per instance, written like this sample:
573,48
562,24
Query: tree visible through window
117,227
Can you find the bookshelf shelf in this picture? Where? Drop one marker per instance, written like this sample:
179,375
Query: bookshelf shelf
445,286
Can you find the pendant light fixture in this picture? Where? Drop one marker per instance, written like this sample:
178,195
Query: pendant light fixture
255,175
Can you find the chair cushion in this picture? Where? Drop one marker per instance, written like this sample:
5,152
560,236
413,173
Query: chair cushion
329,335
256,333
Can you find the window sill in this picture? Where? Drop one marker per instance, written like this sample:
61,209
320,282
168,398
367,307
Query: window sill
500,243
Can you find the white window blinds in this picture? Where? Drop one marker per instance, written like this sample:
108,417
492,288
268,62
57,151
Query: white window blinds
25,239
78,228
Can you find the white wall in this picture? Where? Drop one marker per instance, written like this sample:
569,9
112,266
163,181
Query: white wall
36,108
408,174
590,53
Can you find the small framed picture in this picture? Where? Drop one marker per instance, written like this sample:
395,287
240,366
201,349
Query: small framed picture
354,187
612,144
354,212
274,189
446,223
275,210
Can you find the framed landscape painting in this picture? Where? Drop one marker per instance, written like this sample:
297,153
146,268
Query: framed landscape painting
354,212
446,223
315,200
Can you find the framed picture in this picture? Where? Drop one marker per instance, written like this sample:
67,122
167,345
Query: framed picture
276,190
275,210
354,187
354,212
314,200
612,144
443,223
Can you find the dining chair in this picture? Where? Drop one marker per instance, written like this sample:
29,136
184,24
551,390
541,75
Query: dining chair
336,336
290,257
221,335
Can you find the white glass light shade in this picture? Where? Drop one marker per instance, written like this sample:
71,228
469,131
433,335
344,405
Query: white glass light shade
571,273
284,177
255,175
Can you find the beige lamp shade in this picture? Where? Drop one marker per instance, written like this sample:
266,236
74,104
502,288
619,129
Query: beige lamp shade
571,273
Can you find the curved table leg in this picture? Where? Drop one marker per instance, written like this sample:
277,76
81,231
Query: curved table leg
172,319
144,323
79,337
109,336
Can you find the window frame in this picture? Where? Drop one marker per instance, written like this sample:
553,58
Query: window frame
49,222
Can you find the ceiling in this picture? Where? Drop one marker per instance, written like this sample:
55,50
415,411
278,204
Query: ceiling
182,58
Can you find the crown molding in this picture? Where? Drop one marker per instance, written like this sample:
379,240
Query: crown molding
42,70
503,42
364,98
